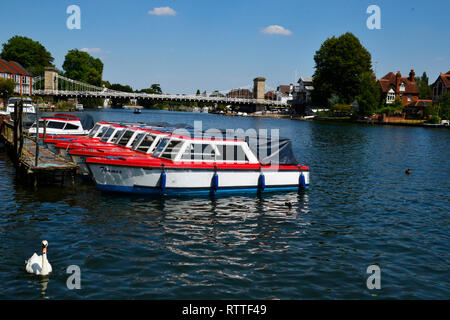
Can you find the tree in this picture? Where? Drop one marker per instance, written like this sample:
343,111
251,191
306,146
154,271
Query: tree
198,92
425,90
369,95
444,106
7,87
81,66
340,62
30,54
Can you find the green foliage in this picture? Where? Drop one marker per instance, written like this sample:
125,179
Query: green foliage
430,110
369,95
425,90
81,66
397,104
65,106
120,87
6,89
341,108
386,110
444,106
30,54
339,64
435,119
333,100
154,89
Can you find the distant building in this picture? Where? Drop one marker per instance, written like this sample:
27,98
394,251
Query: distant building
416,109
441,86
394,86
305,88
240,93
285,93
14,71
270,95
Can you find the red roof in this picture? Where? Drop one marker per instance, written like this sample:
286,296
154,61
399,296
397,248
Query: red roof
393,81
13,67
420,103
445,79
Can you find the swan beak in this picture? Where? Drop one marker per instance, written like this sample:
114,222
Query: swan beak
44,249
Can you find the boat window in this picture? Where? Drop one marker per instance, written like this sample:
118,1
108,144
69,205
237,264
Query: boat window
101,132
231,153
137,140
107,134
125,138
172,149
162,144
93,131
70,126
145,143
199,152
116,135
55,125
41,124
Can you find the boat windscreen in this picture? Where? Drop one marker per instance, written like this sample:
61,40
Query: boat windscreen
108,134
116,135
125,138
94,130
137,140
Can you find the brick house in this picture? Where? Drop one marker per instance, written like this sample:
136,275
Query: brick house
394,86
441,86
14,71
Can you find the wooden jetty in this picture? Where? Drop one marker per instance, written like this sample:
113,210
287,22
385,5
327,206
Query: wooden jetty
35,164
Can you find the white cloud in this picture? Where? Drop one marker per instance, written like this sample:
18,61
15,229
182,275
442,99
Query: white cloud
94,50
163,11
275,29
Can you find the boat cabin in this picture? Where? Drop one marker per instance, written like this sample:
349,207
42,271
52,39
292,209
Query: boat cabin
59,124
185,149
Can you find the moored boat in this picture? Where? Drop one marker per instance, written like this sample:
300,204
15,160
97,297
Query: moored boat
187,165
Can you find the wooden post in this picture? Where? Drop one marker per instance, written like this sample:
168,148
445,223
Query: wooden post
15,132
36,160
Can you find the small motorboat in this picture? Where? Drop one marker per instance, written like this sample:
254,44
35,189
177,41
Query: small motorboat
137,111
59,124
202,166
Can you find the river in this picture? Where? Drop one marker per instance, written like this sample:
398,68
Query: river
361,209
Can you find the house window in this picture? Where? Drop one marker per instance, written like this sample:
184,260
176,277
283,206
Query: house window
390,96
402,87
409,97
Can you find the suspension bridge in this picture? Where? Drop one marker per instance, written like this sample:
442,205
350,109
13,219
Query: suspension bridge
54,84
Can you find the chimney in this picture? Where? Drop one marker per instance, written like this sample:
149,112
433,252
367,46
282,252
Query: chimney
412,75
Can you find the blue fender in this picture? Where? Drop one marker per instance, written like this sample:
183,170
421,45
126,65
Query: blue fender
302,181
162,181
261,182
215,182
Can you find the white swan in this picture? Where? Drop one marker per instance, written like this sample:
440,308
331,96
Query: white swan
39,264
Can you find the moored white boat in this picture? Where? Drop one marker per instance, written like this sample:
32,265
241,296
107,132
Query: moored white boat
185,165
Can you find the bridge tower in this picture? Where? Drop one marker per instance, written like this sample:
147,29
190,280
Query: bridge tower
259,88
50,78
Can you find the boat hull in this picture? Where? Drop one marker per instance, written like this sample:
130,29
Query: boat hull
148,180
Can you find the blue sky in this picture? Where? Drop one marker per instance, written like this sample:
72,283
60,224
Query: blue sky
210,44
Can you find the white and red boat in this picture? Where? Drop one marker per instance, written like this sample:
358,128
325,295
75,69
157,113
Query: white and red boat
134,142
59,124
94,135
187,165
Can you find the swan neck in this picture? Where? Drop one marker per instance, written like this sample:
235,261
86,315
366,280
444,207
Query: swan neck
44,263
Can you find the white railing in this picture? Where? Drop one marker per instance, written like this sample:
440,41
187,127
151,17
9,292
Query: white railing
171,97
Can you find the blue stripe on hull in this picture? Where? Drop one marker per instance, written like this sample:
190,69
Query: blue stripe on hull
157,191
